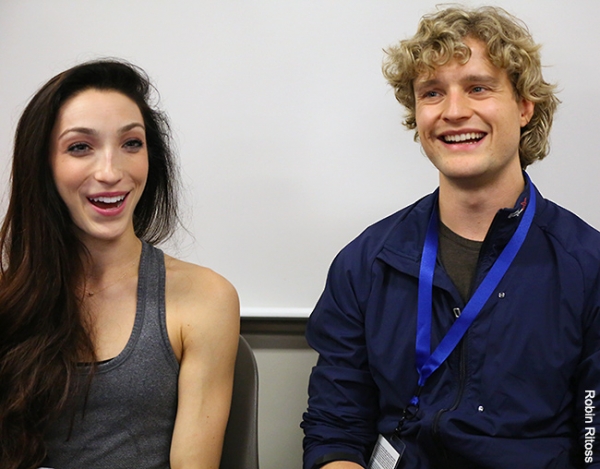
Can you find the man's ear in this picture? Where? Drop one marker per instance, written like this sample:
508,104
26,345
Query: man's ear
526,107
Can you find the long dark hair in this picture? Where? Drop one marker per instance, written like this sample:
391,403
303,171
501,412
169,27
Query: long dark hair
42,332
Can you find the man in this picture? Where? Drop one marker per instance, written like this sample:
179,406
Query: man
465,333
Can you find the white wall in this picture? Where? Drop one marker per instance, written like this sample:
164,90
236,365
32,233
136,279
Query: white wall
290,140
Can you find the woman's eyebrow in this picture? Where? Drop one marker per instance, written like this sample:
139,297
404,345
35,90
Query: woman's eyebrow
80,130
93,132
133,125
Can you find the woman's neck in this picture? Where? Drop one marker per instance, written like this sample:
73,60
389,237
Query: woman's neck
110,260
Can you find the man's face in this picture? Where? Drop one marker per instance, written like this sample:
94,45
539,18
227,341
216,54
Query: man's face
469,120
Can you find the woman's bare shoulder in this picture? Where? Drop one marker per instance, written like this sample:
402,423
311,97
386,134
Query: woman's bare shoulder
195,293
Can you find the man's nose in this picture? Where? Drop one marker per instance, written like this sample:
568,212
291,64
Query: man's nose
456,106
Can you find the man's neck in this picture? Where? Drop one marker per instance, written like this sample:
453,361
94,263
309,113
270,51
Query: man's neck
469,209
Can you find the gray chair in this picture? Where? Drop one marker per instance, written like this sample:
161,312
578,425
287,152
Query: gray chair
240,446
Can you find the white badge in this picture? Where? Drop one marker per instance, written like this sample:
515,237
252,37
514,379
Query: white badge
387,453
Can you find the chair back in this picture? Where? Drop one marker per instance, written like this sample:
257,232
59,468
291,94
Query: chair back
240,446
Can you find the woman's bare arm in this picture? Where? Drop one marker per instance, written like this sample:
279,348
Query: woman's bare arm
205,308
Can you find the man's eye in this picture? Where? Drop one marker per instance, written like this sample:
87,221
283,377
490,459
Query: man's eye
429,94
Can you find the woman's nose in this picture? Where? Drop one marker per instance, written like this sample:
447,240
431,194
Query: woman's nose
109,168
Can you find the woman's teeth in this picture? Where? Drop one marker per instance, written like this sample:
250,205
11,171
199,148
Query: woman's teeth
106,202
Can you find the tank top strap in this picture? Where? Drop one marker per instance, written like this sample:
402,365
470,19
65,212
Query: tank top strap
151,304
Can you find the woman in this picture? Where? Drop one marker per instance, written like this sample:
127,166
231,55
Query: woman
111,353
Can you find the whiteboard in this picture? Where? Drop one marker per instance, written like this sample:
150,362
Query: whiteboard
289,139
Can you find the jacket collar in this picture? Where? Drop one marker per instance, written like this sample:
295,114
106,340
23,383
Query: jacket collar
403,246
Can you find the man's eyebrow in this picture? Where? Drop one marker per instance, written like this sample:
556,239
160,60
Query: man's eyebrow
485,79
425,83
468,79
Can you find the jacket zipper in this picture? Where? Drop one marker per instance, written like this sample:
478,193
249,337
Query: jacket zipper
462,374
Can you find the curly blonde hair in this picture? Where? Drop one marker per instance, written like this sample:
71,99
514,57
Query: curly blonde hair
440,39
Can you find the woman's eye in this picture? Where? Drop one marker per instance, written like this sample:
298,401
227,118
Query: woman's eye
133,144
78,148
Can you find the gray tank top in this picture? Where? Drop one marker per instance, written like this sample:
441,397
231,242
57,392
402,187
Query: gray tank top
130,411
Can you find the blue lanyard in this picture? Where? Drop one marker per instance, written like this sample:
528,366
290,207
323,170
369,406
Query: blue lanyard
428,362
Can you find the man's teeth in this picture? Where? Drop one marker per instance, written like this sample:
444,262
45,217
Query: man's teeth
464,137
108,200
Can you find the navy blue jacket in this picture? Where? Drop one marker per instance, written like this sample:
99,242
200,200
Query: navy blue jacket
512,394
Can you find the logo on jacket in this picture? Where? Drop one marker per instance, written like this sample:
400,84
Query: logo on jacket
519,211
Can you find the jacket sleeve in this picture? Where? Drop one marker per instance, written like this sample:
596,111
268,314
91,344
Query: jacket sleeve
340,423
